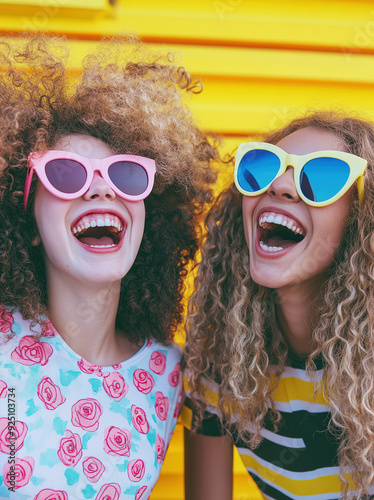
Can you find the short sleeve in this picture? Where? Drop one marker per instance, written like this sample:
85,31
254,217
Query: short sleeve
211,424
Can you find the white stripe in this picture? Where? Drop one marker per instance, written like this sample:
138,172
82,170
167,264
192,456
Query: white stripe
290,372
291,458
282,440
297,405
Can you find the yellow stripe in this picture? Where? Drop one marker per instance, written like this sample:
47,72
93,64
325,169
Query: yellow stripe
289,389
186,416
345,26
249,64
295,389
317,486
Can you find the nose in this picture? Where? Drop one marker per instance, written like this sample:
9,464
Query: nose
283,187
99,189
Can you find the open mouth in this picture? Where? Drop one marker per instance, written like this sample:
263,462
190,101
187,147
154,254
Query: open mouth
277,232
98,230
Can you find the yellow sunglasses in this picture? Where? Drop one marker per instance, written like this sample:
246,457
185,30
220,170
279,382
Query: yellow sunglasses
320,178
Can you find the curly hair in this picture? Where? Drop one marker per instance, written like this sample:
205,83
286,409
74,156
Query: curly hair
131,98
232,320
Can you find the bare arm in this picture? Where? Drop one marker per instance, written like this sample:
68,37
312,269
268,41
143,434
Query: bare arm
208,467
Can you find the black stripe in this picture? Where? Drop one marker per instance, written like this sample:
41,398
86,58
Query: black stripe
321,446
299,423
296,361
295,459
211,424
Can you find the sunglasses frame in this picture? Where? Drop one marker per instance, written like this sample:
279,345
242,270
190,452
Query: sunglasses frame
357,166
37,162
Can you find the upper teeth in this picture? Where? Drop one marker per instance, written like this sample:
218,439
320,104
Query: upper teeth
93,220
281,220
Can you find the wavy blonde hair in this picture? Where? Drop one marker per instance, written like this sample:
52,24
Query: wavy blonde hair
232,321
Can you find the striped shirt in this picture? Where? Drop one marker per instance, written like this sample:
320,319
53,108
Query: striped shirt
299,461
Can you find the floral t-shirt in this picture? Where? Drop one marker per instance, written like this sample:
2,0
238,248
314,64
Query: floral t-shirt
70,429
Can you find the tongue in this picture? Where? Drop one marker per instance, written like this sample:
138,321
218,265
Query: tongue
90,240
278,241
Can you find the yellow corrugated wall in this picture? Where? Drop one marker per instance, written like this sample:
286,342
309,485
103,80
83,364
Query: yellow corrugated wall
261,61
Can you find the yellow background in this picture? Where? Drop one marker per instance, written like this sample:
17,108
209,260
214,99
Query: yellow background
261,62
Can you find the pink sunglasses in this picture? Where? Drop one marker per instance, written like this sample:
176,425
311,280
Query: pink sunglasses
69,175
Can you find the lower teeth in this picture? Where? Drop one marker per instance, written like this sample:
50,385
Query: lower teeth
269,249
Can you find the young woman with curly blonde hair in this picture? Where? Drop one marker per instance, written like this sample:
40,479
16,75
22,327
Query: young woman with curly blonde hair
102,180
280,343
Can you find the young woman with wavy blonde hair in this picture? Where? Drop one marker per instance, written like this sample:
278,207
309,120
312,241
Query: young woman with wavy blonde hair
280,337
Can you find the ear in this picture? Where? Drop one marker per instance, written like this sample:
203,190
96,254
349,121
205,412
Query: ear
36,241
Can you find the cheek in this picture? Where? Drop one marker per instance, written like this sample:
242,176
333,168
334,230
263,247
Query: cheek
49,213
333,228
44,210
248,205
137,213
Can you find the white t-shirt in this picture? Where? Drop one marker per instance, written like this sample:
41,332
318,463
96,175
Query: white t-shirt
73,430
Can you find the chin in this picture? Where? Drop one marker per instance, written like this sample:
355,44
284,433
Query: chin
269,279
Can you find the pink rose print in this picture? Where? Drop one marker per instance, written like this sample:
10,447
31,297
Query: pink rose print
6,320
160,448
162,406
87,367
110,491
174,375
70,451
86,413
139,420
32,352
117,441
11,432
117,366
20,474
135,470
3,388
93,469
157,363
143,381
48,330
140,492
48,494
114,385
50,394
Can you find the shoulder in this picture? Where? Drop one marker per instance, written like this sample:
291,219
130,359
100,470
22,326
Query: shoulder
172,352
12,328
12,322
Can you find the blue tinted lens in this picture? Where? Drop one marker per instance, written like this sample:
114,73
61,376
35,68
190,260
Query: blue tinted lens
322,178
257,169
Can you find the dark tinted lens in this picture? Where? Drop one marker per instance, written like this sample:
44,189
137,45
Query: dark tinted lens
129,177
323,178
68,176
257,169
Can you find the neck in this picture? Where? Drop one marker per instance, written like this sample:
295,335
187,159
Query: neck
297,316
86,320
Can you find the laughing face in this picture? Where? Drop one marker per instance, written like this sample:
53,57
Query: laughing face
94,238
291,243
